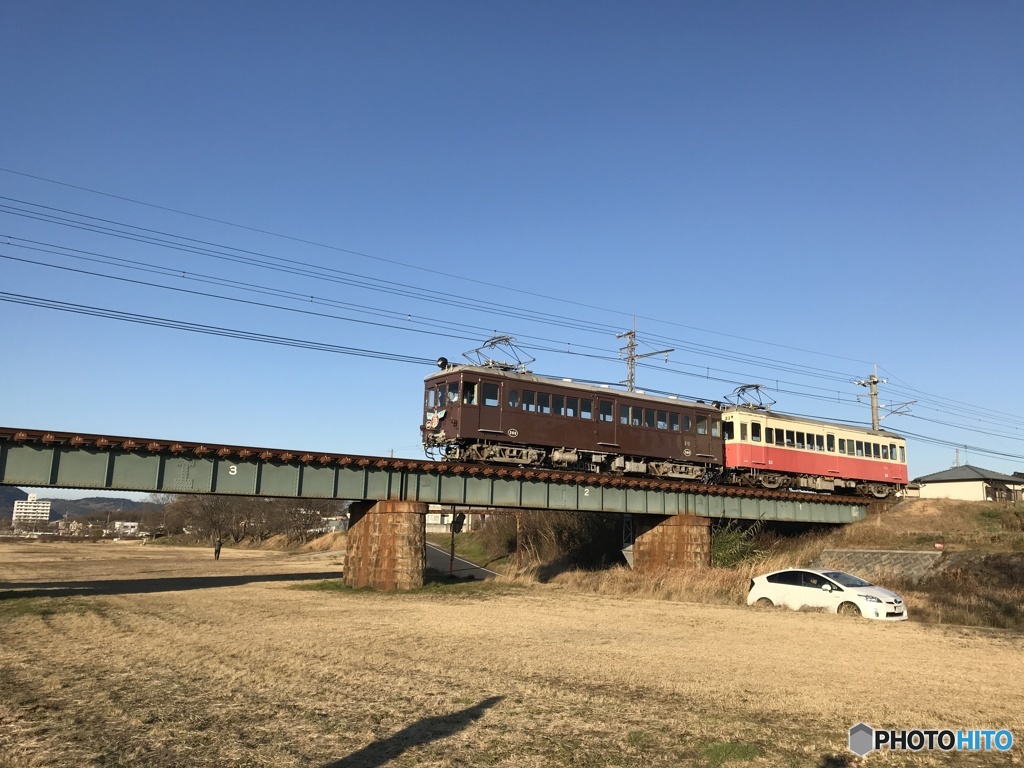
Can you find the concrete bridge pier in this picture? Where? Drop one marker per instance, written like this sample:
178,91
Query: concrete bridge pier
386,545
671,542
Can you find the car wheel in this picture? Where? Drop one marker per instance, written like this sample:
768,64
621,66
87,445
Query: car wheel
848,609
764,602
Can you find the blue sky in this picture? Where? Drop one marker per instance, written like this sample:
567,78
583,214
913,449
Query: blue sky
785,193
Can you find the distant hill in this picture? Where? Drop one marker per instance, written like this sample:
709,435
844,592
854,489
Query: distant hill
8,495
97,505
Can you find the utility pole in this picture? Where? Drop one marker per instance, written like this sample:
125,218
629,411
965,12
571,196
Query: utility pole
631,356
872,383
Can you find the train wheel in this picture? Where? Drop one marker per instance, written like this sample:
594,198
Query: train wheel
771,482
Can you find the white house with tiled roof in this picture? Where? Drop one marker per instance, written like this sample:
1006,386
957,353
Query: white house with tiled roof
969,483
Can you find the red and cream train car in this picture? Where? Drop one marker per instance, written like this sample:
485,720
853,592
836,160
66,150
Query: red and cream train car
775,451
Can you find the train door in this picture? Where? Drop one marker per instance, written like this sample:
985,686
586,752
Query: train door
490,408
606,425
758,445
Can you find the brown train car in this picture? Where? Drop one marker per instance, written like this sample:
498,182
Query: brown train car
484,414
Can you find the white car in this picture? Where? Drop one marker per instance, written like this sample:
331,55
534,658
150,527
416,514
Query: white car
835,591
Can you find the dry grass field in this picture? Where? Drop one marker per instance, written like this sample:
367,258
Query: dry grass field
122,655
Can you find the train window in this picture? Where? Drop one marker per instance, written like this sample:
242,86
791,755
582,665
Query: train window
743,431
673,422
903,456
558,405
605,409
729,427
453,392
842,446
819,442
636,416
587,410
687,424
702,425
513,399
755,432
649,417
769,435
572,406
860,448
716,428
490,393
469,393
790,438
442,395
623,414
885,451
430,397
662,419
529,400
799,439
543,402
875,451
830,443
779,437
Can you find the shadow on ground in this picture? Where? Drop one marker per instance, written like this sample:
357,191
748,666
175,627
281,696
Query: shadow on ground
422,731
10,590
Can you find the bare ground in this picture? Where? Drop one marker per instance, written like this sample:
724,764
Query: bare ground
162,657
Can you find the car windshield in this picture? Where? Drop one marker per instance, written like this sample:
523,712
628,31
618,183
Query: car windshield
846,579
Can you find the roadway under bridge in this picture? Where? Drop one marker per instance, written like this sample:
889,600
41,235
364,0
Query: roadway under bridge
671,518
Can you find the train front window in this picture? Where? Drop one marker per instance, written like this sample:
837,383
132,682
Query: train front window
702,425
453,392
490,394
442,395
716,428
469,393
903,455
587,410
743,431
431,394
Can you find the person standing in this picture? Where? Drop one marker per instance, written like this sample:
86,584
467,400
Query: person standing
216,548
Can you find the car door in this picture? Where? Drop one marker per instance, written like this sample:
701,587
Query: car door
811,593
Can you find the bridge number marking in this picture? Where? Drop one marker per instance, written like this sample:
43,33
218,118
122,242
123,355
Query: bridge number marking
232,470
586,491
